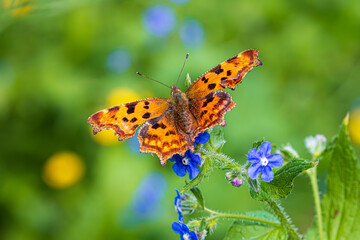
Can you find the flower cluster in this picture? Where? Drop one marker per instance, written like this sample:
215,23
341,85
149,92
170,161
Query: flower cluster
180,227
263,162
189,163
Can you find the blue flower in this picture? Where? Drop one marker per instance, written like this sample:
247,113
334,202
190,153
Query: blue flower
188,163
184,231
191,33
263,162
159,20
202,138
177,203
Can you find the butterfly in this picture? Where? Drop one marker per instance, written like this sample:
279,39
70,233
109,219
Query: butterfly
169,126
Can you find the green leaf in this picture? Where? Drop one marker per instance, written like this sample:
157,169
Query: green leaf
341,203
216,141
204,173
283,181
197,193
241,229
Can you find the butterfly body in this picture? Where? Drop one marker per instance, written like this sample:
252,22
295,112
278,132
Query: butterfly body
183,117
169,126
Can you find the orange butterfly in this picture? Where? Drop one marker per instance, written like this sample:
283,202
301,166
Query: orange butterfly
170,125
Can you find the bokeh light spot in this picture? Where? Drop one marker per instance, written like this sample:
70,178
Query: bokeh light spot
192,33
63,169
159,20
118,61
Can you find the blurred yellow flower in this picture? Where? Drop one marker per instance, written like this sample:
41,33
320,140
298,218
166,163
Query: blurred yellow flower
354,126
19,7
115,97
63,169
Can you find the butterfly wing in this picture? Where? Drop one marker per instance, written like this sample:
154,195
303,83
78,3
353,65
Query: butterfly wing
210,110
161,136
225,75
126,118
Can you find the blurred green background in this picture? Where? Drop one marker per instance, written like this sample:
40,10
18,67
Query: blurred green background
61,61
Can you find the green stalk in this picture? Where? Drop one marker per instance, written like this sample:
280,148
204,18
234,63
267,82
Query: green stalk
284,219
313,179
216,215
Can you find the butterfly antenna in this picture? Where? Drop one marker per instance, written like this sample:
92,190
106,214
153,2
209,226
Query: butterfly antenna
153,79
187,55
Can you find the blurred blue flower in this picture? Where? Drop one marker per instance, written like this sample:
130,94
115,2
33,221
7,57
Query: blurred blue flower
263,162
119,60
180,2
202,138
159,20
147,197
192,33
184,231
177,203
188,163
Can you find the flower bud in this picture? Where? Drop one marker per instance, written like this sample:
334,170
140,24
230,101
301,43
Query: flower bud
315,145
188,80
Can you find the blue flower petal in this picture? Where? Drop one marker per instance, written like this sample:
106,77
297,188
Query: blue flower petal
193,236
267,174
193,171
253,156
176,227
254,170
196,159
202,138
179,169
176,158
265,149
275,161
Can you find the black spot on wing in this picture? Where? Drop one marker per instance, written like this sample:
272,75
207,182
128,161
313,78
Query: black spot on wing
131,107
228,73
212,86
209,98
217,69
146,115
133,119
125,119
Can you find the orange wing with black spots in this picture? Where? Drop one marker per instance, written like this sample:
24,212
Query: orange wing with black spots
225,75
210,110
126,118
161,136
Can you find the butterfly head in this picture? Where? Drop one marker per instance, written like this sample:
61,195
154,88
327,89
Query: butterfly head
177,96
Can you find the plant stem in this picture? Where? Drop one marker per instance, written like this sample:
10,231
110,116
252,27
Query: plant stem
284,219
242,217
313,179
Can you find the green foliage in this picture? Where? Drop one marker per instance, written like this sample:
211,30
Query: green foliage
197,193
341,203
282,184
216,141
243,229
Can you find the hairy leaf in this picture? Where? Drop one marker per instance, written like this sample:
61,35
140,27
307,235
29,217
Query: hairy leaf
205,171
341,203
